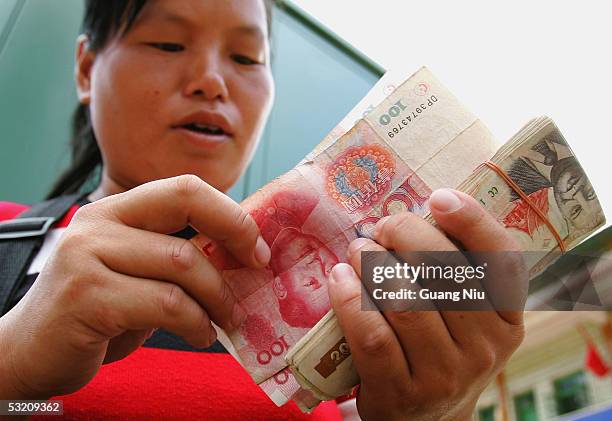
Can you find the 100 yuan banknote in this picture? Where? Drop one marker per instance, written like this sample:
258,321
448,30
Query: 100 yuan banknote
416,140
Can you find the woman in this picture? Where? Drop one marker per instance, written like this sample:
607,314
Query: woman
184,87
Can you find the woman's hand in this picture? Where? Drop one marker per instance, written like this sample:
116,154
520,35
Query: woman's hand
428,364
115,276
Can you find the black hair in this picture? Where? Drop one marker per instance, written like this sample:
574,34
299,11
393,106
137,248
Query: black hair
103,20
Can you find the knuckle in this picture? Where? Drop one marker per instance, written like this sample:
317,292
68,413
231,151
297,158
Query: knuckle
511,269
203,322
398,223
405,220
475,219
78,287
439,387
486,359
514,265
489,362
449,387
182,254
83,213
83,292
105,320
89,215
188,184
226,296
515,336
172,300
400,394
200,328
409,319
73,289
519,331
401,390
197,334
512,244
350,303
72,240
245,225
377,342
448,365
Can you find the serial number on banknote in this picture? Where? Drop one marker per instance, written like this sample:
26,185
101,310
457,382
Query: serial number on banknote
401,116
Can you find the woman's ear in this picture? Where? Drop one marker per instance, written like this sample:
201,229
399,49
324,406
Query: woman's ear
83,64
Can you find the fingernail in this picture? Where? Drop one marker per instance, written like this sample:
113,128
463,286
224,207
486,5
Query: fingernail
342,272
262,251
445,201
357,244
379,225
212,336
238,316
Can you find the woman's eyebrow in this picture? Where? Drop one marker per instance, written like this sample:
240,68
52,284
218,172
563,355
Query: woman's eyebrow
252,31
170,17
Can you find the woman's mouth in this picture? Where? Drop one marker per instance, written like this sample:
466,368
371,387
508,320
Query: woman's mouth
209,129
205,135
205,129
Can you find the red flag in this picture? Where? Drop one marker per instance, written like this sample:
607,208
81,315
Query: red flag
594,362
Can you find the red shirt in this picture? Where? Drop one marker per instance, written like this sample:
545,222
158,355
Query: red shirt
168,379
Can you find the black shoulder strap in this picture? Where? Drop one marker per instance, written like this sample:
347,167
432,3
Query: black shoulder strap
20,239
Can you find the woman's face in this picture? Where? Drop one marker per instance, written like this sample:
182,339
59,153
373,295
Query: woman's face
186,90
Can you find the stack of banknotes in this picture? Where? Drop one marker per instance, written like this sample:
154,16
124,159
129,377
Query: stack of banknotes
404,140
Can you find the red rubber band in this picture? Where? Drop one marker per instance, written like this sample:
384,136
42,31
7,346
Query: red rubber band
527,200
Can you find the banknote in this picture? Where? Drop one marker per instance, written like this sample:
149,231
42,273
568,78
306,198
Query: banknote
419,137
542,164
548,206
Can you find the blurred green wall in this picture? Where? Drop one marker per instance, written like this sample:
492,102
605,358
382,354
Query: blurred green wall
318,78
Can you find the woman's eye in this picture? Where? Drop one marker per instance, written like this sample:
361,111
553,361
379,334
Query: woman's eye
240,59
167,46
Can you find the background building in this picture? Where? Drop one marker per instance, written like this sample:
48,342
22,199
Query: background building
548,377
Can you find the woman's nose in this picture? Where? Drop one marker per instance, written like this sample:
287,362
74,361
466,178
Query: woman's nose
206,80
